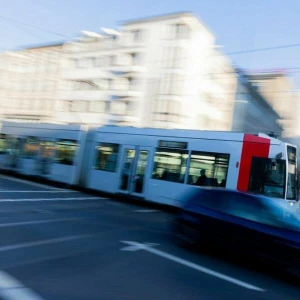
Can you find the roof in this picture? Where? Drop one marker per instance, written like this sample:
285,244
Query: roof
264,76
158,18
54,44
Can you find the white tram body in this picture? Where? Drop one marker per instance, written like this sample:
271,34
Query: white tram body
157,165
160,164
46,150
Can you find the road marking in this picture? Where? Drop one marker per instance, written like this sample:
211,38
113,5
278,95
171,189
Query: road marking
51,199
146,210
51,191
36,222
12,289
29,182
43,242
134,246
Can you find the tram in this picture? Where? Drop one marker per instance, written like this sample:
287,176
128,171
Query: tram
52,151
156,165
160,164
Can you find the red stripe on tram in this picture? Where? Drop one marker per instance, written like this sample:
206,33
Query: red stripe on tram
252,146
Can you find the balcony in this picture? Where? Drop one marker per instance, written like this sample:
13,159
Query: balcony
125,93
113,119
127,69
85,95
86,73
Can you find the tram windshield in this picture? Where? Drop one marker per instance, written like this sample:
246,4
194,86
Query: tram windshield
268,177
292,173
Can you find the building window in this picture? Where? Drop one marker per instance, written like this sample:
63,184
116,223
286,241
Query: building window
135,59
112,60
107,157
170,165
79,106
110,83
96,106
107,106
81,63
209,169
181,31
66,151
98,62
136,35
132,84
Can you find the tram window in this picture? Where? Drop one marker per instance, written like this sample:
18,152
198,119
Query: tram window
66,151
208,169
47,150
170,165
267,177
3,144
106,157
13,145
30,148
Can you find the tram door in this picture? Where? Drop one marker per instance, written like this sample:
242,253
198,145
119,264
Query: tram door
135,161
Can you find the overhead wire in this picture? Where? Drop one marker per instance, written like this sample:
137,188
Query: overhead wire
34,26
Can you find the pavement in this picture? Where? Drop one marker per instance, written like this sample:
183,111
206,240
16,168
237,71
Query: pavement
63,244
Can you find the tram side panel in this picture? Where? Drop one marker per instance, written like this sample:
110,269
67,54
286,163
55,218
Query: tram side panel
86,160
160,174
107,160
65,163
45,150
219,159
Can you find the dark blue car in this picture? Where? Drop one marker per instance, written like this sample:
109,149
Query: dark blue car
254,225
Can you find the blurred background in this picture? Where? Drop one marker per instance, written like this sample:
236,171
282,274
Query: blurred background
140,64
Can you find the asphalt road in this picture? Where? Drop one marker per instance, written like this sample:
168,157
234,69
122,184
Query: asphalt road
61,244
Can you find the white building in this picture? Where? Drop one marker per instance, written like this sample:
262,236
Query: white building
29,81
163,71
252,113
279,90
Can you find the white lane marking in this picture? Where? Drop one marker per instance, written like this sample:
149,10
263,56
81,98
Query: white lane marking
29,182
36,222
12,289
51,199
134,246
43,242
146,210
51,191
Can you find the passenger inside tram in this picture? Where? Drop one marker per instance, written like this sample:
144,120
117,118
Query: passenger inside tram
202,179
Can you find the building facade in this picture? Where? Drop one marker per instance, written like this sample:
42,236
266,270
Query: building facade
252,113
29,81
164,71
280,92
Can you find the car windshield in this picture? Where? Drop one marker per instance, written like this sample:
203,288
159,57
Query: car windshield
283,213
258,209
